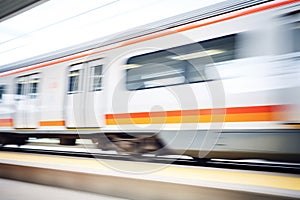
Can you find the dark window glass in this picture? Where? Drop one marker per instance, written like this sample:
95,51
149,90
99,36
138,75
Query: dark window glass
74,81
2,91
296,37
27,86
156,74
179,65
20,88
33,88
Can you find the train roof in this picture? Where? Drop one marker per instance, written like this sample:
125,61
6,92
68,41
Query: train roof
189,17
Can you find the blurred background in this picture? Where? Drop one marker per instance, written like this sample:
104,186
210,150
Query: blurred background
57,24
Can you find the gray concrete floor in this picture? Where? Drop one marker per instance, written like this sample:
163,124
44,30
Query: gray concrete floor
16,190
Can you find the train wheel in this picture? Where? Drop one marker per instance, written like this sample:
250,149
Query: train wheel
1,142
20,141
67,141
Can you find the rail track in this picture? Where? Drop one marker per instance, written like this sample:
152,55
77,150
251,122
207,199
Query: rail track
253,165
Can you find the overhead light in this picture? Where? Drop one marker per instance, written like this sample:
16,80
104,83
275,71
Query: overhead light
198,54
74,73
34,81
130,66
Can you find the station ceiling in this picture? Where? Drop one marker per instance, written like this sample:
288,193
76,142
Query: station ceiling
10,8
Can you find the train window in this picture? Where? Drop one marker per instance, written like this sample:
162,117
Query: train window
179,65
20,87
74,81
27,86
296,36
2,92
155,74
96,78
33,88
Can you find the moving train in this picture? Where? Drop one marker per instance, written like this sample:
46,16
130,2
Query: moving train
217,82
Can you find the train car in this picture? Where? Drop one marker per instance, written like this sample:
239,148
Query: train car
217,82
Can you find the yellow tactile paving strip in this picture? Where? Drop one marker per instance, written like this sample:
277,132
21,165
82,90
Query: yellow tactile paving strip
258,179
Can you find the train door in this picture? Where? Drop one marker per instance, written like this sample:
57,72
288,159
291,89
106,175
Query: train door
94,114
85,98
27,112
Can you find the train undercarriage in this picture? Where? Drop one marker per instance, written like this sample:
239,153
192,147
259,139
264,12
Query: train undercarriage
121,143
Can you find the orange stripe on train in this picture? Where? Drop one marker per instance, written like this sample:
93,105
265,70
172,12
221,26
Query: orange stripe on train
233,114
53,123
9,123
6,122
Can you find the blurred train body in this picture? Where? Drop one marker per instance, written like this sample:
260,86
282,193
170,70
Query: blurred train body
218,82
